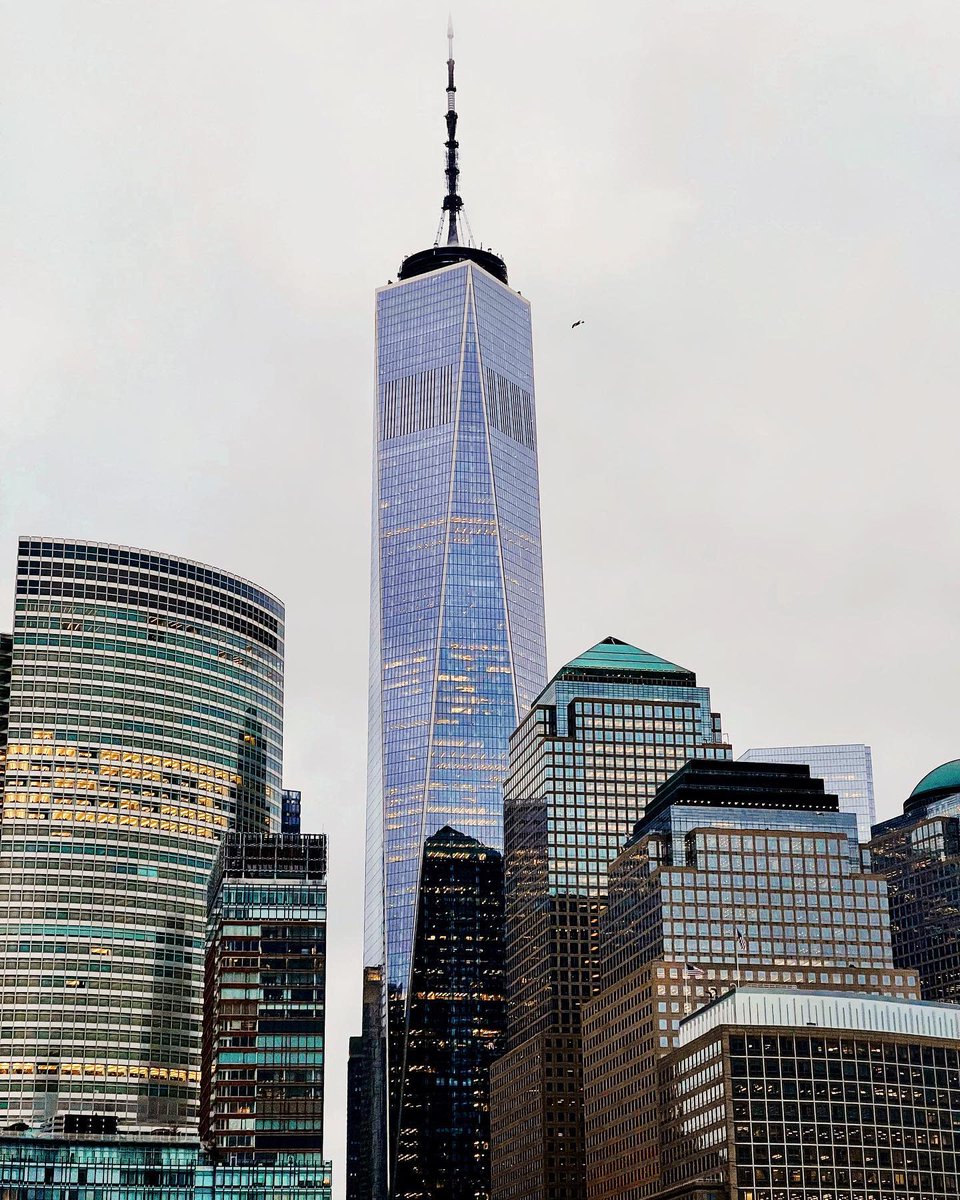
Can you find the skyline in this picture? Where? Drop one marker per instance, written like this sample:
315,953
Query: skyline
245,338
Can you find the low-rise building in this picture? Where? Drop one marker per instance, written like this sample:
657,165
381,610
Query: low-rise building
781,1095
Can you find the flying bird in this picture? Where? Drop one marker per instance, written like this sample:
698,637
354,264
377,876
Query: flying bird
576,323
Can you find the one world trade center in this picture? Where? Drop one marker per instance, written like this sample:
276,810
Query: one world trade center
457,657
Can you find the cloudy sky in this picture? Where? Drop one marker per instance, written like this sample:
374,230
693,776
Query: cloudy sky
748,451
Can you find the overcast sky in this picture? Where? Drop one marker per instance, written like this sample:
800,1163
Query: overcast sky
748,451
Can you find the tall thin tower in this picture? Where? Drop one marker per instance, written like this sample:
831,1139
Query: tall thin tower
457,626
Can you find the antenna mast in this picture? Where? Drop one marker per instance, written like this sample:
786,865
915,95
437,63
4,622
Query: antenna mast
452,202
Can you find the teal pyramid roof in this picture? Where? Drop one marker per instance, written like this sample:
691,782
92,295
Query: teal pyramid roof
613,655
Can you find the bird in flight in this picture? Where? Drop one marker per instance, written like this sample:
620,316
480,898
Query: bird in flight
576,323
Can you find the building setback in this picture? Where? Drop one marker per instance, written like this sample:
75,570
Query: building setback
812,1095
145,719
738,873
265,998
611,725
918,853
457,624
846,771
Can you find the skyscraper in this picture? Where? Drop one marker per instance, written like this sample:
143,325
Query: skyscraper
611,725
846,771
456,1022
457,629
145,719
738,872
265,998
918,853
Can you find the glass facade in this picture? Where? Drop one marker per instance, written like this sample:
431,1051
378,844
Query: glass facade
611,726
457,635
816,1098
145,719
918,854
265,997
456,1022
290,811
846,771
50,1169
740,872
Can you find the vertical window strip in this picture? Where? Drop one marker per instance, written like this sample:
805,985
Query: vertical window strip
509,408
419,401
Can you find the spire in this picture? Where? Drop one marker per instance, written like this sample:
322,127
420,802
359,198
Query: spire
452,203
454,251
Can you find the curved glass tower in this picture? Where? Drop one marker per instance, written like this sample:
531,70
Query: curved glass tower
145,719
457,635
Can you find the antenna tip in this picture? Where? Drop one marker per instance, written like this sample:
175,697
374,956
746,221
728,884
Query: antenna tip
450,25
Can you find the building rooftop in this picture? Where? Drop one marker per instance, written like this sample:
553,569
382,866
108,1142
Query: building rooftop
613,655
769,1008
614,661
941,781
725,784
432,259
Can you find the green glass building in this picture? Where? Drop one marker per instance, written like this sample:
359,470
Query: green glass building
145,720
51,1169
265,997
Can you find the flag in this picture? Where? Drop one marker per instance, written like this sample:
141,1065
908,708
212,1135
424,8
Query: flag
692,971
741,941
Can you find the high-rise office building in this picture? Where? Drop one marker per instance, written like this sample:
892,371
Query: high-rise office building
846,771
144,721
456,1022
738,872
918,853
457,630
262,1090
265,998
612,724
780,1095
